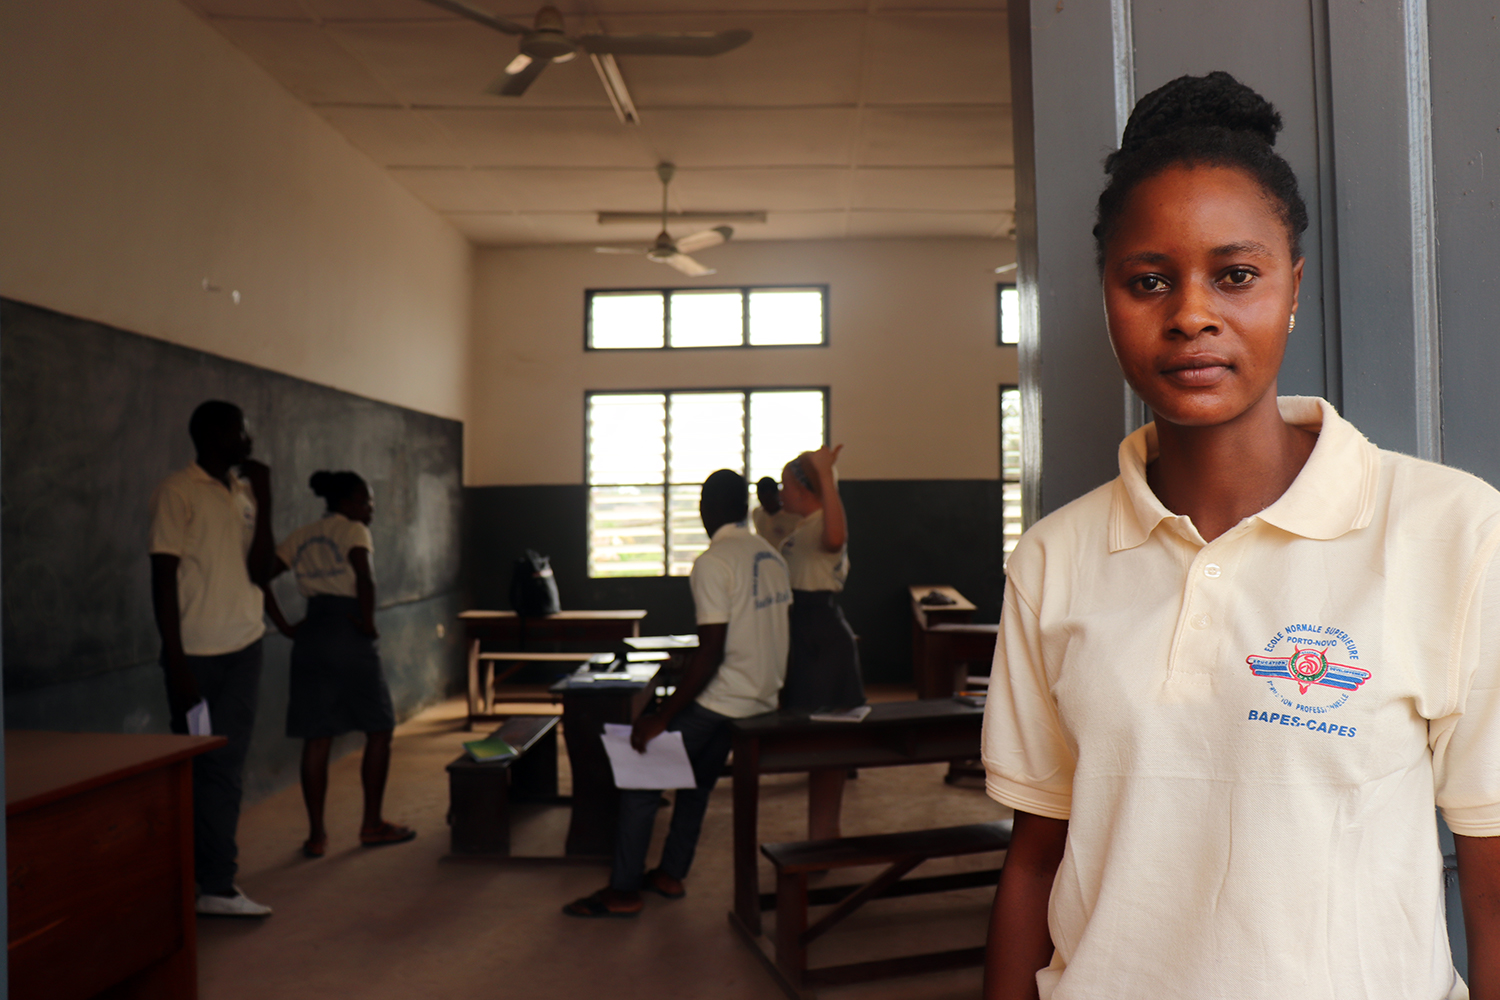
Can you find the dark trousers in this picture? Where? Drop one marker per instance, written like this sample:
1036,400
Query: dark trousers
707,737
231,684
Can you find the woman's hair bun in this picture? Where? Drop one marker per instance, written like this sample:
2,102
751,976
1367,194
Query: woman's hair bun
1217,100
321,483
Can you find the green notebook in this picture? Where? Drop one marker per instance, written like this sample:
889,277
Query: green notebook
490,749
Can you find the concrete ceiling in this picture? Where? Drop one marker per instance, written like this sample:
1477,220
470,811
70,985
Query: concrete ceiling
840,118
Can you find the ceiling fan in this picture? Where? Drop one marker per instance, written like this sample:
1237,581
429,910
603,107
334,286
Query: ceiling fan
674,253
546,42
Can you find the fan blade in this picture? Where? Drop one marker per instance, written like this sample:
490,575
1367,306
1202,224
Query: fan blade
686,265
704,43
488,20
633,250
515,84
702,241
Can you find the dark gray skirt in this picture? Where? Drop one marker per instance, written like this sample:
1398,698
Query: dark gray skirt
823,669
337,685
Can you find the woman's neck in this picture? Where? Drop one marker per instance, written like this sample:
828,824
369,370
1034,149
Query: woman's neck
1218,476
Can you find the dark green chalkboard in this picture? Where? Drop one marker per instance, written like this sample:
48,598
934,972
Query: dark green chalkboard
94,417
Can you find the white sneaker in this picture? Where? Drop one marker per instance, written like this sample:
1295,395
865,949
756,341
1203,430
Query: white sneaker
238,905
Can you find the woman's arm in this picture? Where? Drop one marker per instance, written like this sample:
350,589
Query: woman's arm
1019,942
835,530
273,611
364,589
1479,887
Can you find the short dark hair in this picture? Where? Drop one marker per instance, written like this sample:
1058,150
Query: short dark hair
726,496
1211,120
336,487
210,419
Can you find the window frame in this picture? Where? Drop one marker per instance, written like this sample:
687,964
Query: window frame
667,484
1000,289
667,292
1020,477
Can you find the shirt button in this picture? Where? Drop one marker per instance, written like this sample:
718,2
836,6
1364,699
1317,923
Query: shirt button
1212,571
1201,622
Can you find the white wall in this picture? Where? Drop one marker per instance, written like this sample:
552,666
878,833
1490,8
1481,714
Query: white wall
140,153
912,362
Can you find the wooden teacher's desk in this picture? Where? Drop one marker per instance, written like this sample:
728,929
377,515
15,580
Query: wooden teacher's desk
99,851
897,732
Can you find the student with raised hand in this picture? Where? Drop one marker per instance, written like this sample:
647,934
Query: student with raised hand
337,685
823,674
740,596
1232,684
210,549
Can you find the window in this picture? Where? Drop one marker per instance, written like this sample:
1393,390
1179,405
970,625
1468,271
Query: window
663,318
1011,520
1008,314
649,452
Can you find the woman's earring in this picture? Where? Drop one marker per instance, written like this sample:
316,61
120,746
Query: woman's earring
1293,324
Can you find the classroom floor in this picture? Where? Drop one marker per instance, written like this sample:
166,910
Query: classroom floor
405,921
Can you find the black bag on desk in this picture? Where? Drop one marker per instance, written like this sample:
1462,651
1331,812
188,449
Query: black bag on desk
533,588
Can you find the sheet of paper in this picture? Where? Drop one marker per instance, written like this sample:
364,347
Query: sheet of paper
197,720
689,641
663,765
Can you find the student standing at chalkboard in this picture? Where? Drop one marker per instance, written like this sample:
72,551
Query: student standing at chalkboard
210,546
337,685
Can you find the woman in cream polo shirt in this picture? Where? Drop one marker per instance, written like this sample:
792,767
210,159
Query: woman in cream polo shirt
822,673
1232,685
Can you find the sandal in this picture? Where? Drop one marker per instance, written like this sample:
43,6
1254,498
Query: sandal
594,907
386,833
314,847
663,885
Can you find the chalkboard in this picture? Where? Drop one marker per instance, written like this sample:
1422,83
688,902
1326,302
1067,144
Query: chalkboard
92,418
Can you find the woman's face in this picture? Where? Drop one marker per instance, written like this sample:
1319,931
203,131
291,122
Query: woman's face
359,506
1199,290
794,496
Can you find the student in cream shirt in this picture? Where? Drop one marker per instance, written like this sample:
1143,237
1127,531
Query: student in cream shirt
741,594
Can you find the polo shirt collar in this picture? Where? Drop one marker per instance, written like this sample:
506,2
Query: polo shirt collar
197,472
725,530
1334,493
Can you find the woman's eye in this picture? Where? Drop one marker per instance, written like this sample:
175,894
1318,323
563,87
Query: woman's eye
1150,283
1240,276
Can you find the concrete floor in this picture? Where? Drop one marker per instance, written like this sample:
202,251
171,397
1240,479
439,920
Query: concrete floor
404,921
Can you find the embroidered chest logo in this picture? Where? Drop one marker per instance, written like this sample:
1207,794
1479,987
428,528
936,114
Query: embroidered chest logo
1301,677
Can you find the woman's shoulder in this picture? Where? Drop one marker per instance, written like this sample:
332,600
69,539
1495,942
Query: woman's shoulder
1066,533
1438,494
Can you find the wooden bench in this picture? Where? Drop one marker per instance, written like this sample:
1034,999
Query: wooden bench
479,795
902,852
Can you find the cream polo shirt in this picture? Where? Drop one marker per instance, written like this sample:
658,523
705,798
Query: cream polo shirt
318,555
741,582
1248,736
774,528
812,566
209,527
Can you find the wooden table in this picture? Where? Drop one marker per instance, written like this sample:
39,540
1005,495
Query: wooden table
594,628
897,732
99,851
943,639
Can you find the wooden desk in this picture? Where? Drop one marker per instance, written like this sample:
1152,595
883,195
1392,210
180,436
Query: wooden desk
587,706
897,732
99,850
596,628
943,640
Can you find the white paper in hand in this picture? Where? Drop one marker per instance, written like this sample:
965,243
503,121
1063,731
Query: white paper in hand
663,765
197,720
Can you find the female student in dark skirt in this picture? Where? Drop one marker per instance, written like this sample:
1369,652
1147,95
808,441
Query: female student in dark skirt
822,672
337,685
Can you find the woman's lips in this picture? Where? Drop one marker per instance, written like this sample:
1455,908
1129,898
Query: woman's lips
1206,371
